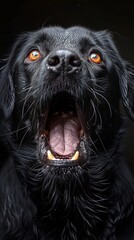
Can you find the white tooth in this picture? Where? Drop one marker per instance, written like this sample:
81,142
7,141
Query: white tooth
50,155
76,155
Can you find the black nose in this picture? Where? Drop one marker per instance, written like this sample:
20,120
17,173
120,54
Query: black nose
65,60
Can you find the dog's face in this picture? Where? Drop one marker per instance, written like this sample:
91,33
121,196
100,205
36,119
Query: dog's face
60,91
67,93
66,90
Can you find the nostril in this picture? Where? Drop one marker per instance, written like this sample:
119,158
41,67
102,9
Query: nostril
53,61
65,60
75,61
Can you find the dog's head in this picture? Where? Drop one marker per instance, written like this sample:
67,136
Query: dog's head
62,88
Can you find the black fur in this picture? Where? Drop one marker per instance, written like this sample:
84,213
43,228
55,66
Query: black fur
94,199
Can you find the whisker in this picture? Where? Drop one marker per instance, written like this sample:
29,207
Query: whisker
110,109
23,139
99,117
93,143
22,117
102,144
12,132
25,89
94,115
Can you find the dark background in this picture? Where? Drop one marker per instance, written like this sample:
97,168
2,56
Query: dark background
118,18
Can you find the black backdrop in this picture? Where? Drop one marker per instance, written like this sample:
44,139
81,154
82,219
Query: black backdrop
118,18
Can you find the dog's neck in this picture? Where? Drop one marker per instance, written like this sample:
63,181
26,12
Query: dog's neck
64,197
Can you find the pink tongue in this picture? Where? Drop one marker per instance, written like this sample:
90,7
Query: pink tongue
64,134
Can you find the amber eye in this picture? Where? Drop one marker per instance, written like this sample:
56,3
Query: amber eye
33,55
95,57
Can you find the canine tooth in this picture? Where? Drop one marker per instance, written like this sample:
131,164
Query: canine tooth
76,155
50,155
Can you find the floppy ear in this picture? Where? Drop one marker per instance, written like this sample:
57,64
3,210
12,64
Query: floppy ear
7,73
124,70
125,73
126,82
7,94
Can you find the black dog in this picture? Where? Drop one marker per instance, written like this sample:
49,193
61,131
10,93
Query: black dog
62,173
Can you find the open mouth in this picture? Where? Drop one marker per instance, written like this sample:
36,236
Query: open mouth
60,132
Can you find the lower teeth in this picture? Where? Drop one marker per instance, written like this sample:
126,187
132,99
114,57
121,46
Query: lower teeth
50,156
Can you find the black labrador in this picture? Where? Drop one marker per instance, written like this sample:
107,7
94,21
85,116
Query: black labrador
62,171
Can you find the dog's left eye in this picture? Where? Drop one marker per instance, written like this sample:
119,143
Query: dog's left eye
33,55
95,57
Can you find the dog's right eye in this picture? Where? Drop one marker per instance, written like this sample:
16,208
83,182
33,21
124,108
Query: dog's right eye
34,55
95,57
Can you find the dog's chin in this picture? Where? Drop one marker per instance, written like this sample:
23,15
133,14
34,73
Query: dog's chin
61,135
